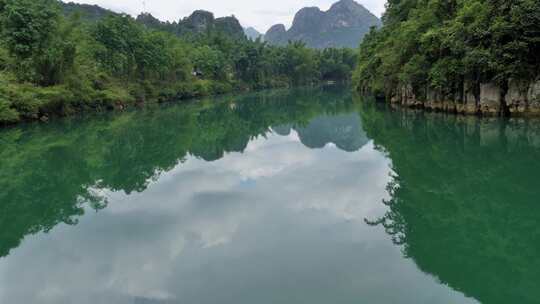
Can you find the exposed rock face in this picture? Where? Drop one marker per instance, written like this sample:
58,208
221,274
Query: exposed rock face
348,13
343,25
148,20
490,98
534,92
520,98
533,97
253,34
152,22
276,34
230,26
198,22
516,98
201,22
307,20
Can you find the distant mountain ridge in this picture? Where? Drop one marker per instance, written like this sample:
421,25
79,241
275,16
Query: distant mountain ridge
343,25
252,33
87,12
199,22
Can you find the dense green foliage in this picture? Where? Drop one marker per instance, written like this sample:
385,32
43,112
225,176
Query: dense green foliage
60,59
447,44
37,40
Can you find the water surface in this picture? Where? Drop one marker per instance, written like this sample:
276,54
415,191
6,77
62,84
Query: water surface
302,196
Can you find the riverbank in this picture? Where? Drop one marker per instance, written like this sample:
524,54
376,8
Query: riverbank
35,103
489,99
466,57
51,103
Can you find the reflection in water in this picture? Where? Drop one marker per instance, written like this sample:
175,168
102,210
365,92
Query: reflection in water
465,199
263,199
345,131
50,171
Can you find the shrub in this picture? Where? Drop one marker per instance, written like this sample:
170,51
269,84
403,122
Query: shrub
55,100
7,113
4,59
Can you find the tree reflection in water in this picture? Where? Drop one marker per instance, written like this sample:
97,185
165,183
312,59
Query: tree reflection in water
464,201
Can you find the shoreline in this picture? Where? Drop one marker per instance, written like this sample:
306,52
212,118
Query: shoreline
460,109
122,106
514,99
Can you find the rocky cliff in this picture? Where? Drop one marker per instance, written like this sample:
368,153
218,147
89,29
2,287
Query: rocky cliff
513,98
252,33
230,26
152,22
203,22
343,25
277,34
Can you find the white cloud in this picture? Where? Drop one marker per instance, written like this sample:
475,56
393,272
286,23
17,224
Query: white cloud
259,14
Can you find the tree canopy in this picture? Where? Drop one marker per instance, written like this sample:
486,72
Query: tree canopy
443,43
57,61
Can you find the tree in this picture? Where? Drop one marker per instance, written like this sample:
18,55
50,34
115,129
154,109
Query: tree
32,35
211,63
445,44
119,37
337,64
300,63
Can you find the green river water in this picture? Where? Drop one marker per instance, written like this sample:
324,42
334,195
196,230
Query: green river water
288,196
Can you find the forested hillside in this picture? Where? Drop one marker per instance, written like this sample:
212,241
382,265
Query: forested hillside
58,59
467,56
85,11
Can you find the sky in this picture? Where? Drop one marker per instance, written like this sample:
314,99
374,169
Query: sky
258,14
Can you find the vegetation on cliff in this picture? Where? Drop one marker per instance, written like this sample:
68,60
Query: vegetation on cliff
433,50
252,34
58,59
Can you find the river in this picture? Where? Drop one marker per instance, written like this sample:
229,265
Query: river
284,196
